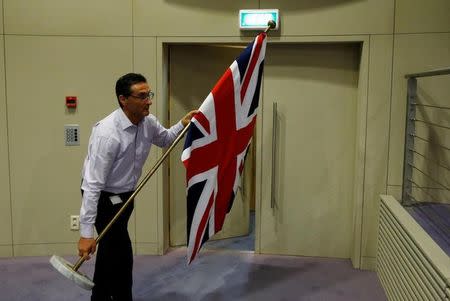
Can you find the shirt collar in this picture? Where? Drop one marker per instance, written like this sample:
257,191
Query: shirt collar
124,122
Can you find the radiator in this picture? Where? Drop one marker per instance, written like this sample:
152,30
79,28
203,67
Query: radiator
410,265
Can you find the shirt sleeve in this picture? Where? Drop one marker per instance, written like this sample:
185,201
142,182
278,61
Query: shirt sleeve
101,155
164,137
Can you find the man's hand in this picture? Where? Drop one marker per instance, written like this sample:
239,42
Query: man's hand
187,118
86,246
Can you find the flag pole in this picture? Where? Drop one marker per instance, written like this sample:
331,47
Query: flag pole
71,271
138,188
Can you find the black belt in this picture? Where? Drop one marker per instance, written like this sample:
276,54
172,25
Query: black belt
121,195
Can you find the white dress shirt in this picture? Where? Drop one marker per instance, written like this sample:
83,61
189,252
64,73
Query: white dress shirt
116,154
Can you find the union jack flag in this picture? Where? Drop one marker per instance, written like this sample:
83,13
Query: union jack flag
217,142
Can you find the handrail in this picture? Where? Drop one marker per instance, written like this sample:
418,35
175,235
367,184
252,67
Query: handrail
430,137
444,71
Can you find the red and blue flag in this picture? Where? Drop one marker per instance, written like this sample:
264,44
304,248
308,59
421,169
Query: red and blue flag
217,142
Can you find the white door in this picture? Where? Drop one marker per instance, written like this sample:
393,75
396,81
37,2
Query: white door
194,70
310,210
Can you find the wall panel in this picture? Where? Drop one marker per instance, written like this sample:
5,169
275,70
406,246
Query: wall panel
144,62
341,17
380,69
412,54
414,16
1,16
6,251
195,18
66,17
45,177
5,201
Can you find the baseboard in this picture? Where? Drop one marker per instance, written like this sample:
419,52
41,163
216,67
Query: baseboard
6,251
369,263
144,248
47,249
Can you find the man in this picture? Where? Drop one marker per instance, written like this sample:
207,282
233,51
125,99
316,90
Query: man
118,147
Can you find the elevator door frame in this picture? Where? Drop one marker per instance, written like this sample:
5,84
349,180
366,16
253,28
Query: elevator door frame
163,44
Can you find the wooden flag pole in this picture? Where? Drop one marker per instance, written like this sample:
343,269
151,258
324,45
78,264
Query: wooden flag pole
138,188
70,271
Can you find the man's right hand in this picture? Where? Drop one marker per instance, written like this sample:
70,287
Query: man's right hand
86,246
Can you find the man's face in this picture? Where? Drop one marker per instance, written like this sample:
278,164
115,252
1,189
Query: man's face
137,105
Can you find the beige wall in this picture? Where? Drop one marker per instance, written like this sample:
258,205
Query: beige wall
5,199
422,42
54,48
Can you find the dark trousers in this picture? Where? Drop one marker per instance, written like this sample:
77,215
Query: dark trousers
114,260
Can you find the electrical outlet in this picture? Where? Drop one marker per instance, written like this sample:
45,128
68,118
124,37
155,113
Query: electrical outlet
74,222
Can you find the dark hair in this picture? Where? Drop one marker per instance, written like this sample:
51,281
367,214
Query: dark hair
124,83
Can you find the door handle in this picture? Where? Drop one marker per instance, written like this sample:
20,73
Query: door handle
274,155
241,185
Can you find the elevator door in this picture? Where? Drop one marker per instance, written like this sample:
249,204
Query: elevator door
307,209
194,70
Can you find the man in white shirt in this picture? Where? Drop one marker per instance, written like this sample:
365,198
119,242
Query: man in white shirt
118,147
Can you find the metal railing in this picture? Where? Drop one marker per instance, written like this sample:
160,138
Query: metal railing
426,169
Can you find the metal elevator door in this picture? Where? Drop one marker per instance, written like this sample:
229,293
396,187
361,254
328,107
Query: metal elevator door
307,208
194,70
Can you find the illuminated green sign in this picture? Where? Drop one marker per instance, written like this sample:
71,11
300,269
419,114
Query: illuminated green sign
253,19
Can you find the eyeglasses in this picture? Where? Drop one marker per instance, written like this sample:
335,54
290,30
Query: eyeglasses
144,96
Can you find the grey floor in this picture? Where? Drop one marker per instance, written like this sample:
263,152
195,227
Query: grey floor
217,274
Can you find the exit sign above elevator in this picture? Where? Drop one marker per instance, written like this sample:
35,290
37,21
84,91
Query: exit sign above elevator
255,19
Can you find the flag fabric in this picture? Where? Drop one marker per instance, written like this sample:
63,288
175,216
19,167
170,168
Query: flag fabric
217,142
